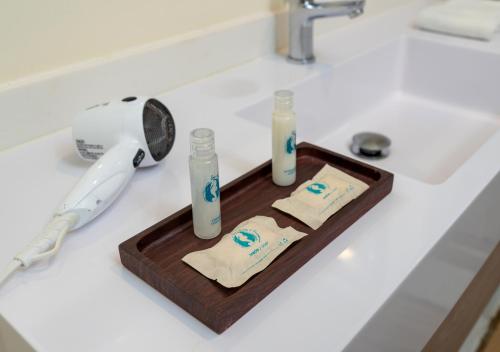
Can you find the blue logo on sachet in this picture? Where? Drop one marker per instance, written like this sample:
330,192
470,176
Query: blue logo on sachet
317,188
291,143
211,192
246,238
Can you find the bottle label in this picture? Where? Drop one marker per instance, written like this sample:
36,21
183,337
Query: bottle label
211,191
290,145
290,172
215,220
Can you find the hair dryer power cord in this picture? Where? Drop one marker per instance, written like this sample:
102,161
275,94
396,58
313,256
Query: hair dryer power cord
44,246
11,268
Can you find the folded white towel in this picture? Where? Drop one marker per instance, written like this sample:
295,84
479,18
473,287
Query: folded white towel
468,18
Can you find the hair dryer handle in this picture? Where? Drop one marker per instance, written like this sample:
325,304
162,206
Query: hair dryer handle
103,182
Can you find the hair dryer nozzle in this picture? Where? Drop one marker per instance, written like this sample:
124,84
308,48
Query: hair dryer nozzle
159,129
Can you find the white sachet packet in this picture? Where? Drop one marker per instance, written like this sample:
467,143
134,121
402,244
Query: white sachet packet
243,252
314,201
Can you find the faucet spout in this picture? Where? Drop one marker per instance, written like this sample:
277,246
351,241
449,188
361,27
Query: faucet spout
302,15
334,9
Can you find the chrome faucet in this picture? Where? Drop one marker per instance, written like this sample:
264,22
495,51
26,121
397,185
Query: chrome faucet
302,15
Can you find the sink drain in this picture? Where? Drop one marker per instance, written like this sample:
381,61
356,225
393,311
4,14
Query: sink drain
370,145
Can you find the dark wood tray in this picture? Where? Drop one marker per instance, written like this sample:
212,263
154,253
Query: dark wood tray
155,254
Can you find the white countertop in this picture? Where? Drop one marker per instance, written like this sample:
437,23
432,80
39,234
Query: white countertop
85,300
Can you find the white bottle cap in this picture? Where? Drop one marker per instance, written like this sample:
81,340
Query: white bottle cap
283,100
202,142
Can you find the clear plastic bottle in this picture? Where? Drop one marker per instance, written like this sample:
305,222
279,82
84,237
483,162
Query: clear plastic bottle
284,139
205,192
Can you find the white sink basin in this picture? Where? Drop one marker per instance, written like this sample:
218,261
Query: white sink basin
438,102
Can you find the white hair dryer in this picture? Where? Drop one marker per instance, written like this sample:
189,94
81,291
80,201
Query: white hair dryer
119,136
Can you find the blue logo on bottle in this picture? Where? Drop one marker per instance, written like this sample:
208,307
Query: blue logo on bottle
246,238
291,143
211,192
317,188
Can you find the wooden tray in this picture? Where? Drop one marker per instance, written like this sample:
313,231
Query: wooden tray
155,254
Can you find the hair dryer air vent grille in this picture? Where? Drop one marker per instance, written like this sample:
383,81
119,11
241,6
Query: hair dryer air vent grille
159,129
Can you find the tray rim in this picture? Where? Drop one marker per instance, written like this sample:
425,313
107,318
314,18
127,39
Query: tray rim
130,248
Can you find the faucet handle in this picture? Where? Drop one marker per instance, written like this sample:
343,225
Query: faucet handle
359,9
357,12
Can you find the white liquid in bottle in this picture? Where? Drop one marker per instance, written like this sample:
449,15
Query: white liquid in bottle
284,138
205,192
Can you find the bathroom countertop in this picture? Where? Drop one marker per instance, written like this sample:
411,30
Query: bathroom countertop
85,300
